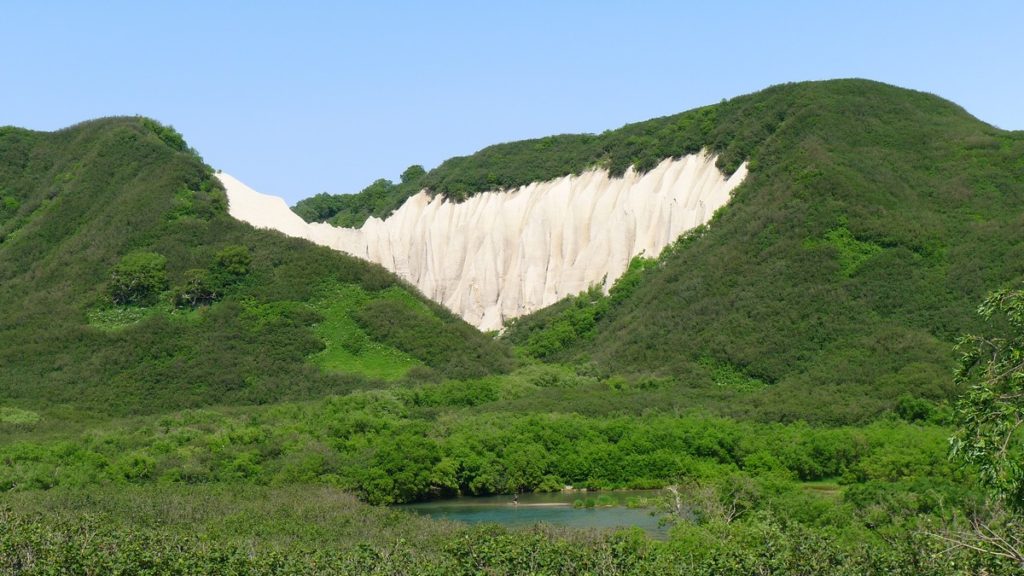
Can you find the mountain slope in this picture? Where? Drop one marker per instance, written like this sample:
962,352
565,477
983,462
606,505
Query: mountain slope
501,255
871,223
79,200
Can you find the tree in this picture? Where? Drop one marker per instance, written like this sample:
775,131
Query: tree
413,174
990,415
197,290
138,279
231,264
990,427
721,501
203,287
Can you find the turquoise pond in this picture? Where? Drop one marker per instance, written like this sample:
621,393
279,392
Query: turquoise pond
555,509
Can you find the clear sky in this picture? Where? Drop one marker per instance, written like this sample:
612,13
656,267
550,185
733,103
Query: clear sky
300,97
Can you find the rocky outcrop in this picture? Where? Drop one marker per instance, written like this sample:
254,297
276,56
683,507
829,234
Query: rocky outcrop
499,255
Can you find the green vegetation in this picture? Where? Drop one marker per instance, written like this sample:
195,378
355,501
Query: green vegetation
204,286
183,394
348,348
410,327
730,377
351,210
125,288
407,445
850,252
318,531
261,488
10,415
549,332
843,269
167,134
138,279
990,416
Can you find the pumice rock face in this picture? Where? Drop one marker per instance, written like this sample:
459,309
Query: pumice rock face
500,255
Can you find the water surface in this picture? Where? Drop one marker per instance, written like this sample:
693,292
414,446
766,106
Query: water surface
555,509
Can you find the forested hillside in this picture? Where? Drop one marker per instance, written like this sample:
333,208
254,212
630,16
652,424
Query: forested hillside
872,221
125,286
839,276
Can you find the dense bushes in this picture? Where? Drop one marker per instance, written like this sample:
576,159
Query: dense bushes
204,286
186,490
32,546
389,447
309,530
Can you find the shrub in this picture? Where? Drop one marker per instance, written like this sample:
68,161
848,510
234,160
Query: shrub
138,279
197,290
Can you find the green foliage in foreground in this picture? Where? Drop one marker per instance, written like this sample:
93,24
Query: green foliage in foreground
253,490
990,416
304,530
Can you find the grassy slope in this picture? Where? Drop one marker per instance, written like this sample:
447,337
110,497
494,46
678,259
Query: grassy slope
87,195
347,345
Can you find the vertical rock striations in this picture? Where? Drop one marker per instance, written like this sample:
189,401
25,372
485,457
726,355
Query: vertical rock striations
500,255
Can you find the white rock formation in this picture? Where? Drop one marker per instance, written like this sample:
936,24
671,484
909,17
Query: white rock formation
501,255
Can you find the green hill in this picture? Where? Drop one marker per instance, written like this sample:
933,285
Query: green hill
873,221
114,196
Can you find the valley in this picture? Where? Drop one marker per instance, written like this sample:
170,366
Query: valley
758,312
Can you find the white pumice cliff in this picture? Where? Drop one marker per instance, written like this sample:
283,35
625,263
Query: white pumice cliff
500,255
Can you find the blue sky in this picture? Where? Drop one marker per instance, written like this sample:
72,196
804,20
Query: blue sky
301,97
